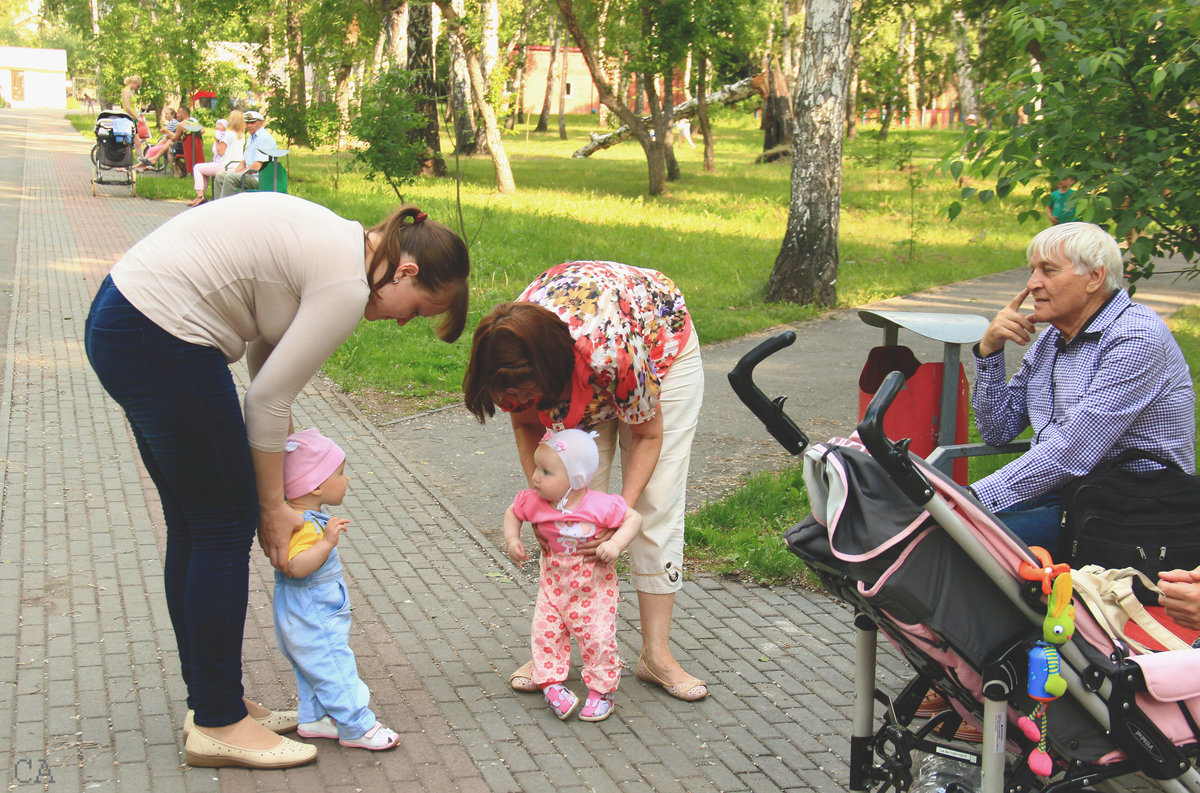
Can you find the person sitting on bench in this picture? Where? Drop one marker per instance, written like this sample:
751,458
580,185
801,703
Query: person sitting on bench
244,175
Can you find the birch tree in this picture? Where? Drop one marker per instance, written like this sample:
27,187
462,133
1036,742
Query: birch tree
806,268
457,27
460,94
551,69
963,65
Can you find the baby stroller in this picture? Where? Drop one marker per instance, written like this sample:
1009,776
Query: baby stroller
962,599
113,154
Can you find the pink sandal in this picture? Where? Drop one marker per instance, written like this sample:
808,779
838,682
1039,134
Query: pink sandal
562,700
598,706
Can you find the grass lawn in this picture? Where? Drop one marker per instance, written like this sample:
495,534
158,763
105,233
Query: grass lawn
716,234
742,534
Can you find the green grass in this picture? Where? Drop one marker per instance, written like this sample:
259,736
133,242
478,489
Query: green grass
716,234
741,534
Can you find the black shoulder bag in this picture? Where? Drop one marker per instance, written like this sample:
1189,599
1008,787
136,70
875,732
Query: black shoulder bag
1118,518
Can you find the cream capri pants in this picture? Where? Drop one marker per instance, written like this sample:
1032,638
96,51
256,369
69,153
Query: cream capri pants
656,554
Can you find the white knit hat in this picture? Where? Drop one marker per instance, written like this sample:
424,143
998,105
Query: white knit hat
577,449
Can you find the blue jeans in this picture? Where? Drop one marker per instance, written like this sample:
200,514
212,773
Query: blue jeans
312,626
182,405
1036,521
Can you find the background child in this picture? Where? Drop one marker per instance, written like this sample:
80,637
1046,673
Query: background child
1060,209
312,610
577,592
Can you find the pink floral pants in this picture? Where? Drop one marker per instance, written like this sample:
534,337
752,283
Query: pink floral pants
577,597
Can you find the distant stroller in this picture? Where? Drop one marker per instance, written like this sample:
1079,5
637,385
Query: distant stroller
113,155
971,609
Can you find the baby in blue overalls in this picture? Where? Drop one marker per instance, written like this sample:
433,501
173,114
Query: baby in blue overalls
312,608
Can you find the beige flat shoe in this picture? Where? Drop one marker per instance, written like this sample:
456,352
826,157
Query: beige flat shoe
277,721
204,751
522,679
688,690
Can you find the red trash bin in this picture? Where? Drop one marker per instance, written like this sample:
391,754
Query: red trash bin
916,413
193,149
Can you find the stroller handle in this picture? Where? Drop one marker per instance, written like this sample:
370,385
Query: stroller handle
893,457
769,412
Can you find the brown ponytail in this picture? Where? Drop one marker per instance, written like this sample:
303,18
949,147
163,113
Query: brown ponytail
442,261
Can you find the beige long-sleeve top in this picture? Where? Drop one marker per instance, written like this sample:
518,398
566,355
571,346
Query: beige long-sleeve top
266,275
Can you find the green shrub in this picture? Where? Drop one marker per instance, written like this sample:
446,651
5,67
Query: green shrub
390,127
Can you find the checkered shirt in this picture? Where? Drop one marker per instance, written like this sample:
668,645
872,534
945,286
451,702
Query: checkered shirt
1121,383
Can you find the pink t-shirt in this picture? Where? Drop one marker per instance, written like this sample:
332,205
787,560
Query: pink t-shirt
565,530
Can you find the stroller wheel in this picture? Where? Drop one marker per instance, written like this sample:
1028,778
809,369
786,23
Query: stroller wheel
96,155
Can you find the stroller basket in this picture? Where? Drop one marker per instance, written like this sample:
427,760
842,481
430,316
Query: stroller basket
920,560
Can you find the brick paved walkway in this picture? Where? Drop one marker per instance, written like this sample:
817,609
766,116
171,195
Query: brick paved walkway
90,693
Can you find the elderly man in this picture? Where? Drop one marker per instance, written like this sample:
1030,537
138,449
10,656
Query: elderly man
1106,376
244,174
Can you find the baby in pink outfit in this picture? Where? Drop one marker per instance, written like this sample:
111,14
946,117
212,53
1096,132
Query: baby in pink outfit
577,590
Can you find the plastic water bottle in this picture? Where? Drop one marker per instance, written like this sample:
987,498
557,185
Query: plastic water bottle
938,774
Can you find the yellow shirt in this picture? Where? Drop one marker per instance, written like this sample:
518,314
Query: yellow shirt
306,537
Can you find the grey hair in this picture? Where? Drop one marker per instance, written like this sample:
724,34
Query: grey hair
1084,246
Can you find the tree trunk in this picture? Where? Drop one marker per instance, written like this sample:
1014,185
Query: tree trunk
968,101
668,123
908,62
806,268
504,176
520,88
852,86
726,95
517,44
655,161
777,116
656,147
488,58
555,43
420,63
702,112
295,49
460,95
342,78
397,27
606,63
562,97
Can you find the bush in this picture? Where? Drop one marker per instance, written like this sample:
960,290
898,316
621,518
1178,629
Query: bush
390,126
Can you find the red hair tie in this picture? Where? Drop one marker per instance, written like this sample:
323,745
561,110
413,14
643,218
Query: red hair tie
417,218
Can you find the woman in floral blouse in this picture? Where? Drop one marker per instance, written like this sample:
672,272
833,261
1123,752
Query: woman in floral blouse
607,347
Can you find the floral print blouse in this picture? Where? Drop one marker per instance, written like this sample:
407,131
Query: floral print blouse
629,325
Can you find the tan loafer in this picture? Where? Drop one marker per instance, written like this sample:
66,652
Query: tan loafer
277,721
204,751
689,690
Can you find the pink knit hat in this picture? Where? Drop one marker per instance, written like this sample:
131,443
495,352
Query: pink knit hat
309,459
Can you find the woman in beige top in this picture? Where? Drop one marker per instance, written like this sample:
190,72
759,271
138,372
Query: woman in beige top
132,83
284,283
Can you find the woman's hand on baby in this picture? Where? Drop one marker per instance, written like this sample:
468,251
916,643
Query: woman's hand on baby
334,529
589,548
516,552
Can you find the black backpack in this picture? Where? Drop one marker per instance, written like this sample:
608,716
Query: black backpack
1118,518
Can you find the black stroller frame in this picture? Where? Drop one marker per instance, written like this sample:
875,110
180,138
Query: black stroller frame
113,155
1101,687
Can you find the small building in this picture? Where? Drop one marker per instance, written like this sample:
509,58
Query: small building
31,77
581,93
